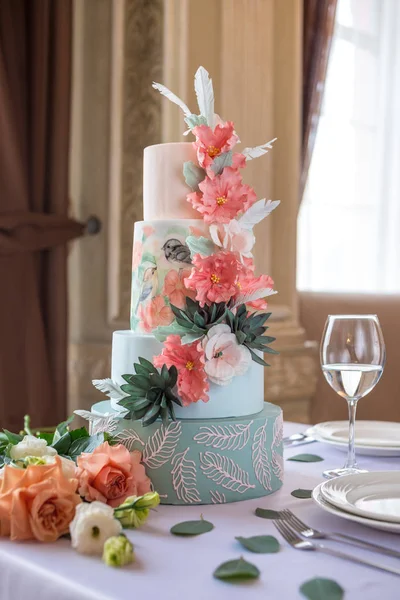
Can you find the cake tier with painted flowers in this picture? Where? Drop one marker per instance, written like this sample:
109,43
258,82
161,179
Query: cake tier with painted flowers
187,380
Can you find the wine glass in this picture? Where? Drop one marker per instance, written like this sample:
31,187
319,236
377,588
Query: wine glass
352,359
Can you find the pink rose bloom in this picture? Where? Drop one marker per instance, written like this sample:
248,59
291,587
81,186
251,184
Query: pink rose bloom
156,313
226,358
175,289
212,142
231,236
136,255
214,277
189,360
223,197
247,283
110,474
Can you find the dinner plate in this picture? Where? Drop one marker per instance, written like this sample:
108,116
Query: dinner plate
374,495
375,524
341,443
368,433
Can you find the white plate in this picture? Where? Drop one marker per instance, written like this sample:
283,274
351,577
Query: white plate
374,495
381,525
368,433
361,449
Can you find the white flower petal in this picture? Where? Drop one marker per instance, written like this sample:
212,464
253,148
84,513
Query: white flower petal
244,362
92,525
31,446
218,369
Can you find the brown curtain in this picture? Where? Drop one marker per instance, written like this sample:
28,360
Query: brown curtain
35,65
318,26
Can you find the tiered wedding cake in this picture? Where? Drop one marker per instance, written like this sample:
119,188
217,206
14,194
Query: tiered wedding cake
187,380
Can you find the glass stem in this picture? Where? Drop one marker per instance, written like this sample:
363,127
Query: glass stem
351,462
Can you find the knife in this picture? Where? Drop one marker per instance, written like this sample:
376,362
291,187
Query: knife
297,439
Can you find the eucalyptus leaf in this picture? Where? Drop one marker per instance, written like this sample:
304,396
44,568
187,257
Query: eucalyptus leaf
86,444
236,570
261,544
320,588
299,493
192,527
200,245
222,161
193,175
266,513
306,458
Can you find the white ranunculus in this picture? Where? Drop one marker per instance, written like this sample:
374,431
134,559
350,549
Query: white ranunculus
92,525
31,446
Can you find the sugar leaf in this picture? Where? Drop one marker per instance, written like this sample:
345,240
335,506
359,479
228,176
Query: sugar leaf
171,96
256,213
222,161
205,94
257,151
193,175
200,245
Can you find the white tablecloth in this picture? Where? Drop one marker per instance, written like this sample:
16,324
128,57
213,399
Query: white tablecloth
173,568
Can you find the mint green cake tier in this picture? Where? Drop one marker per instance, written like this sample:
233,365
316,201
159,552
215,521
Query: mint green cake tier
209,461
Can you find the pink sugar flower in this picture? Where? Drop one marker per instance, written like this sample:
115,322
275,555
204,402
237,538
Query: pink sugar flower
247,283
212,142
214,277
223,197
189,360
136,255
155,314
175,289
231,236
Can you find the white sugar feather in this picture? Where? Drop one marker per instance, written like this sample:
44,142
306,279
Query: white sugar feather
257,151
110,388
205,94
251,296
173,97
257,213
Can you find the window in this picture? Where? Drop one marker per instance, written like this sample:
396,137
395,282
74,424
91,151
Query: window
349,221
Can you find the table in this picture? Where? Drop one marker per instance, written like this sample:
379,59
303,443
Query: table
171,568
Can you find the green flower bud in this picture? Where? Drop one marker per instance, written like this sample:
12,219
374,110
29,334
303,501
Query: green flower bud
118,551
136,509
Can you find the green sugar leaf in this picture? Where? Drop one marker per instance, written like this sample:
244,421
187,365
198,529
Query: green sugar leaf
266,513
261,544
301,493
222,161
320,588
195,120
193,175
306,458
236,570
192,527
200,245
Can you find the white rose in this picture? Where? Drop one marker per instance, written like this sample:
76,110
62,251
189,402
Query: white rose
92,525
31,446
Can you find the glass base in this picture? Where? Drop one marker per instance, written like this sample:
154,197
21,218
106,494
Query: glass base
331,473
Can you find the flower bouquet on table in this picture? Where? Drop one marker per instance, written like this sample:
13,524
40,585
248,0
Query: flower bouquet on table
71,482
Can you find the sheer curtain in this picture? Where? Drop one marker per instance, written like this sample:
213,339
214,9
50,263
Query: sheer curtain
350,215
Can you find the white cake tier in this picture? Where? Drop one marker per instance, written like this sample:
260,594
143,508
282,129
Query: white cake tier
160,262
164,186
244,396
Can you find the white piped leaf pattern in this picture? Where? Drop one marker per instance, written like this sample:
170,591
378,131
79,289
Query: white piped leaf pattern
277,458
184,479
128,437
217,497
161,446
224,437
261,462
225,472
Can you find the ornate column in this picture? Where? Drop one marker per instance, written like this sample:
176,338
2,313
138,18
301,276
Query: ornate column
253,51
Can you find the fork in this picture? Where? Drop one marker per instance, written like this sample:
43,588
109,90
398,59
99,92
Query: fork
297,542
313,534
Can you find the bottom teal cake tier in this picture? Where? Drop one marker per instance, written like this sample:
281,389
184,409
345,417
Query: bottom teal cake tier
213,461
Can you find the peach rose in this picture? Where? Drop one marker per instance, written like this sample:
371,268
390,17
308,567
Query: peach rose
111,473
37,502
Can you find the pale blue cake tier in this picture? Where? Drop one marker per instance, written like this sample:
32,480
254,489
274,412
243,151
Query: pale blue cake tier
209,461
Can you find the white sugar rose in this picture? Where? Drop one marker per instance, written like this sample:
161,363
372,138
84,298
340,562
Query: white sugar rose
31,446
92,525
225,357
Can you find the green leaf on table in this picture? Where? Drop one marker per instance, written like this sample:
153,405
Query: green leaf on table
261,544
299,493
266,513
236,570
320,588
192,527
306,458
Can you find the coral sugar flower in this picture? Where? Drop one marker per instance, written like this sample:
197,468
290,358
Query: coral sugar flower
189,360
247,283
214,277
223,197
212,142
